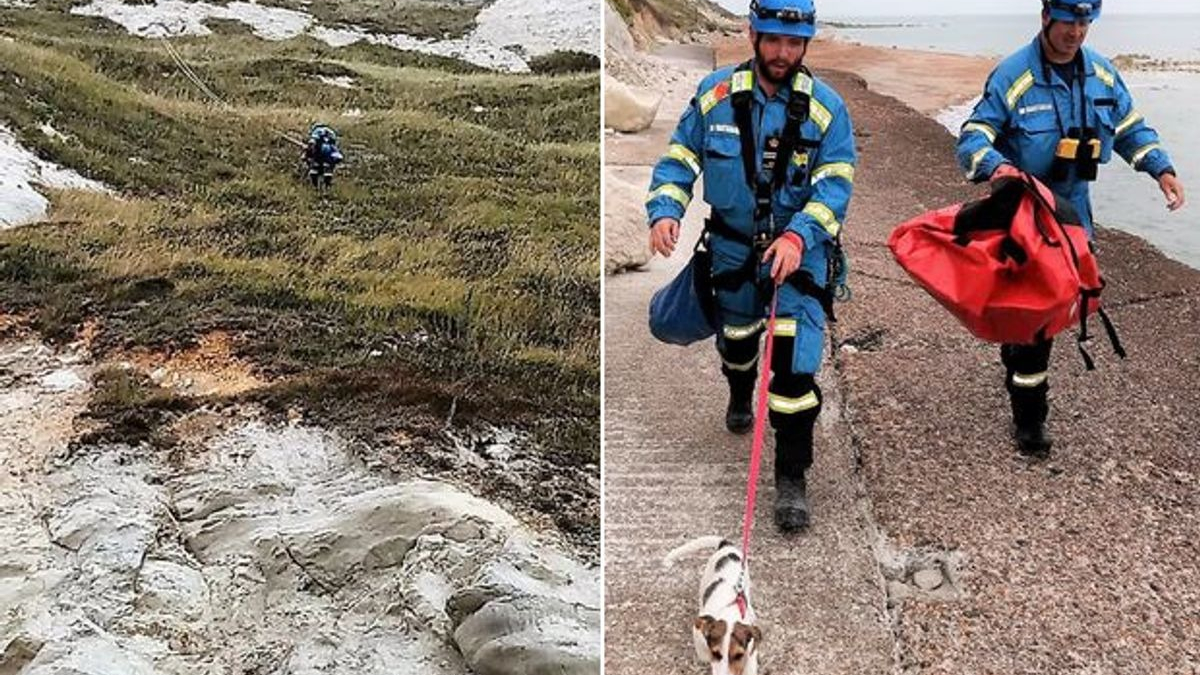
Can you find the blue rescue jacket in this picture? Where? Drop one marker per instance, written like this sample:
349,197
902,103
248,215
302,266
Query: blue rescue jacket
814,199
1027,108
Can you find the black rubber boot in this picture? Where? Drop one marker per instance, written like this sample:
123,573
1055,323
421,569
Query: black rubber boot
793,442
1030,408
739,414
1033,441
791,502
793,456
1029,404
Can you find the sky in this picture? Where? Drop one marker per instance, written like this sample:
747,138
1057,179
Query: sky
842,8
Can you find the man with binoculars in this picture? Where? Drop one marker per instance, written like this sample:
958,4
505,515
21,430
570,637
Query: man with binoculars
1056,109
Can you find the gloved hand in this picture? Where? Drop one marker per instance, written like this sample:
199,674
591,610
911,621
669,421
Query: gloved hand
1005,170
785,256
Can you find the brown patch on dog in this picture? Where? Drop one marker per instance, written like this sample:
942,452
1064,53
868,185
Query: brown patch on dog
713,632
742,646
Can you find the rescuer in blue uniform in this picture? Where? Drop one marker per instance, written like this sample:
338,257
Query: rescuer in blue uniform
1056,109
322,154
776,148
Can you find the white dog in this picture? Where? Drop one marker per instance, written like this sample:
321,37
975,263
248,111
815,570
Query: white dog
723,637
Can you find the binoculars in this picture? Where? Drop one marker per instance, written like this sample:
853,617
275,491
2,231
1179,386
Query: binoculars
1081,148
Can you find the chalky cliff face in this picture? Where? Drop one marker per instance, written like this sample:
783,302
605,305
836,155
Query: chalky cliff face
21,171
257,547
506,34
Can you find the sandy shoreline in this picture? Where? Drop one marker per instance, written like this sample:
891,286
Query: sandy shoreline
926,81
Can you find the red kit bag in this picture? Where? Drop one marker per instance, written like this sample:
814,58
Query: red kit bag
1015,267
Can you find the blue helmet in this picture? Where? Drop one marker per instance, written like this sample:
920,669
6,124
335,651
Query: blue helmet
321,131
784,17
1072,10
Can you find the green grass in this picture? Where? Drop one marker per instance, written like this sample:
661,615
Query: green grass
460,242
441,19
421,18
564,62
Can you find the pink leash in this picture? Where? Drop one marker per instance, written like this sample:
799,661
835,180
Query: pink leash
760,423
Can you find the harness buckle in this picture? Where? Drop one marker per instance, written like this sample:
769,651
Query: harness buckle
762,242
763,198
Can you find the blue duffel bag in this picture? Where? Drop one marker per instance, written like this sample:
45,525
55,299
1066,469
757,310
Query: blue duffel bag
684,311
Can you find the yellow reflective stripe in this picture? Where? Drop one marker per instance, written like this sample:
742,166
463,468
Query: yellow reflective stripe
1029,381
673,191
803,83
741,367
824,215
743,80
820,114
975,160
982,128
682,154
790,406
1142,152
1018,88
1130,120
838,169
800,158
1105,76
785,327
742,332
